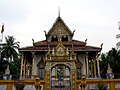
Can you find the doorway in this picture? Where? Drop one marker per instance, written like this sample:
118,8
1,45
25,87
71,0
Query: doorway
60,77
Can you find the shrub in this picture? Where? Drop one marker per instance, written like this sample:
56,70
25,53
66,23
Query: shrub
19,84
102,86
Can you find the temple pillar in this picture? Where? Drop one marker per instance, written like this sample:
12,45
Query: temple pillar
94,67
21,70
84,68
27,69
98,68
24,64
83,81
87,65
33,62
56,72
91,68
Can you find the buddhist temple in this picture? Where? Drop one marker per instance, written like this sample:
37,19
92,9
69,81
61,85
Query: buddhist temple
59,60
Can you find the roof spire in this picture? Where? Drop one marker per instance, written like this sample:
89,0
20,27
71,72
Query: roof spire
58,11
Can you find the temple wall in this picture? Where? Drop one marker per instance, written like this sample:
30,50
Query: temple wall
81,57
36,60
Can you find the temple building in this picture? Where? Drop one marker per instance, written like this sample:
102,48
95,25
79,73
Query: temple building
59,60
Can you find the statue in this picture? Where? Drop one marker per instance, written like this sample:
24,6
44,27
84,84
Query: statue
109,72
7,75
7,71
60,73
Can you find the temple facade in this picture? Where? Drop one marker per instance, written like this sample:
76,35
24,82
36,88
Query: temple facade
59,60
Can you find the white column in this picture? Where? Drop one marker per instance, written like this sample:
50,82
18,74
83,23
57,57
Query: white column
87,66
94,66
24,71
33,62
21,70
91,68
84,68
98,67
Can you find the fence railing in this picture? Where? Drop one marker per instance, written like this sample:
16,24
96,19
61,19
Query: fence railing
14,77
29,84
90,84
93,84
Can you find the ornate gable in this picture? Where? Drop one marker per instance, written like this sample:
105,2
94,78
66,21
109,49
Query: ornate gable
60,50
59,29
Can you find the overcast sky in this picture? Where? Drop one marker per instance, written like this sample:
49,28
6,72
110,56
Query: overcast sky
95,20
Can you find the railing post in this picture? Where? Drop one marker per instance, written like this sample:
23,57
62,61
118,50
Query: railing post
112,85
83,82
37,84
9,86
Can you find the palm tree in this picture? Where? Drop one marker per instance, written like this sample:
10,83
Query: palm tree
10,49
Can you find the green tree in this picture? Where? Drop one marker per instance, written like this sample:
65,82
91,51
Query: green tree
103,64
10,49
10,56
113,58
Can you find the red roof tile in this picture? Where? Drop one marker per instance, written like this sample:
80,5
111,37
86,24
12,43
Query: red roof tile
77,46
74,42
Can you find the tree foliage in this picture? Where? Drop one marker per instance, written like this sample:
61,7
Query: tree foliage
113,58
10,56
10,49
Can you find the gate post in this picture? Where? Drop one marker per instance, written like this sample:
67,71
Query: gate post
73,74
83,82
112,85
9,86
47,77
37,84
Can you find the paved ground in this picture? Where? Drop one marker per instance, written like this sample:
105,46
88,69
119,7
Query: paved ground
31,87
27,87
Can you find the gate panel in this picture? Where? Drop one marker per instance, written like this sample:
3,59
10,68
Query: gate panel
61,85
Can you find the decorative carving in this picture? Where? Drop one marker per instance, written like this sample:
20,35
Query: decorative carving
60,49
67,52
73,66
53,52
72,55
48,55
48,65
59,28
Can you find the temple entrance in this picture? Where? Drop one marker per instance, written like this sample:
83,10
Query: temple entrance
60,77
60,68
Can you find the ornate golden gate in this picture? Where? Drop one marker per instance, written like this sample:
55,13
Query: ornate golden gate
60,77
60,69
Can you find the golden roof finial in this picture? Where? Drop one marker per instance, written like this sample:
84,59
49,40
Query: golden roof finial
33,40
101,45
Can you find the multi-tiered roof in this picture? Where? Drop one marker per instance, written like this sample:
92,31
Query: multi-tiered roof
60,30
